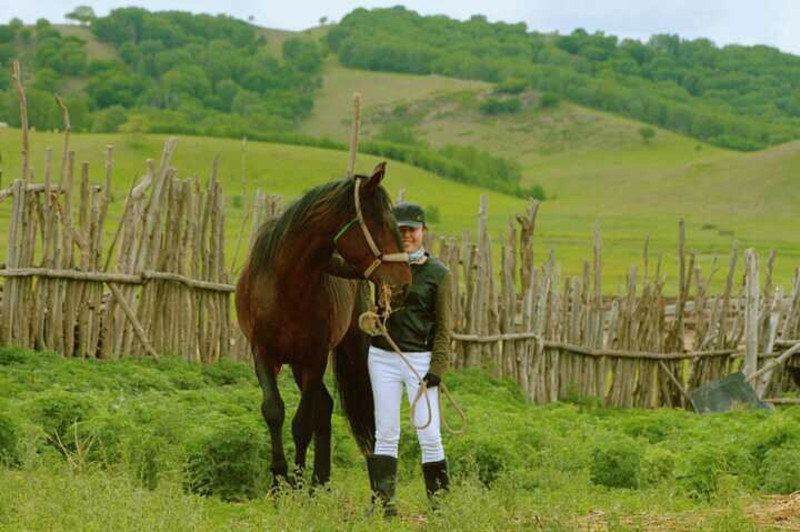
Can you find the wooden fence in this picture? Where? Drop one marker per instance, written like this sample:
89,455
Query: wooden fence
560,338
162,286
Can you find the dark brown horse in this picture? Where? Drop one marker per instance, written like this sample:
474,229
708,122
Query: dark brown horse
293,312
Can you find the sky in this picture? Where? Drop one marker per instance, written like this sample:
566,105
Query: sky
771,22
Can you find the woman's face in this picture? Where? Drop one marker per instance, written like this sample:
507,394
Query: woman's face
412,238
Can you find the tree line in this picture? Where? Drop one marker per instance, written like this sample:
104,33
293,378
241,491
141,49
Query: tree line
191,74
741,97
175,71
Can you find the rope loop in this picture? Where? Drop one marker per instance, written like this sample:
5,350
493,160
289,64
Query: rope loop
374,325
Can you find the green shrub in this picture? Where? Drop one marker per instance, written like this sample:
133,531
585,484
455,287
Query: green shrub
512,86
781,470
432,213
655,427
103,436
146,459
9,441
486,457
399,133
536,192
549,100
495,106
778,431
227,372
657,465
58,412
701,468
227,459
9,356
182,374
616,464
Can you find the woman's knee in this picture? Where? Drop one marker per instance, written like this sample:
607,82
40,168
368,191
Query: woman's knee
387,443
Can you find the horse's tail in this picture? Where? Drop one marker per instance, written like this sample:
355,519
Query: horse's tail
352,378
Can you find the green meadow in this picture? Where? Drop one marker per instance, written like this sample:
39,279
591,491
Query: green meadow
593,166
172,445
747,197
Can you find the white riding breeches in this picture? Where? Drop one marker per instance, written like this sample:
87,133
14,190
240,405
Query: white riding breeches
388,372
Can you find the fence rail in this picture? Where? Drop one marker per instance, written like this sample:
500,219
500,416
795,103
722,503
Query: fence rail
163,286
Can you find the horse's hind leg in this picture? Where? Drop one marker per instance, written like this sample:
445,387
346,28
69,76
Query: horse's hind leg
303,422
272,409
313,418
322,437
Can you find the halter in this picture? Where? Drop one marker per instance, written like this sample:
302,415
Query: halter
379,257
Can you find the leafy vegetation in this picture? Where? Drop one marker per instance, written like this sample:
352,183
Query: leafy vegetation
740,97
176,71
149,437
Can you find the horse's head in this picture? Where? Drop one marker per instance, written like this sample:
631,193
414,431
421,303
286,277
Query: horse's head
371,240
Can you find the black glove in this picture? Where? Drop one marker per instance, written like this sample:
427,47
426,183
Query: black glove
432,379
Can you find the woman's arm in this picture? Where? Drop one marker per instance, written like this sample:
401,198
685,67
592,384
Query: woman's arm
440,355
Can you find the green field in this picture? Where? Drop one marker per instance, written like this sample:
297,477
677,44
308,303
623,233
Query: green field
759,211
599,173
593,166
127,445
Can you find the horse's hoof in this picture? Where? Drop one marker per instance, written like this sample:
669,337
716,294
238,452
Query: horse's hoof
281,482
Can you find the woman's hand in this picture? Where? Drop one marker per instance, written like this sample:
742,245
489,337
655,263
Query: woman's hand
432,380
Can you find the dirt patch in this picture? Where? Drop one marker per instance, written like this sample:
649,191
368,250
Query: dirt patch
778,512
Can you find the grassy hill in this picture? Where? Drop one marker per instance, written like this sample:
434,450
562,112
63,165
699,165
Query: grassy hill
275,168
623,213
592,164
597,168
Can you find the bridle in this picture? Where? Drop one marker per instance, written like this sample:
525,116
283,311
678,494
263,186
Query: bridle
379,257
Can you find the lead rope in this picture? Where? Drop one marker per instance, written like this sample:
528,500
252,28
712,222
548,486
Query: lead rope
373,324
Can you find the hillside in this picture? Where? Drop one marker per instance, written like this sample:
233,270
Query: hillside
741,97
597,168
564,225
275,168
593,166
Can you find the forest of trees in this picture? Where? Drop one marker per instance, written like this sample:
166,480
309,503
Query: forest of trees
741,97
178,72
197,74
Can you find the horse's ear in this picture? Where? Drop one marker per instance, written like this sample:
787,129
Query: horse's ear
377,176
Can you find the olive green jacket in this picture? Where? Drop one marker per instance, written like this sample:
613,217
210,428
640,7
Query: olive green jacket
425,320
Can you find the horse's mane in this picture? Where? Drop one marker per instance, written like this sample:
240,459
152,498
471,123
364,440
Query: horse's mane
307,212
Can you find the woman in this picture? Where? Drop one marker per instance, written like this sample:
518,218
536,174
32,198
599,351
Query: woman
421,328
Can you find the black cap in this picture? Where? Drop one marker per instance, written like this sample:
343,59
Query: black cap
409,214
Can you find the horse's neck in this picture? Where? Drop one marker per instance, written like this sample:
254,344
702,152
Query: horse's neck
305,261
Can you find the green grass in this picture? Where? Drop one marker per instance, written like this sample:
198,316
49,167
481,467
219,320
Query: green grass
333,105
598,172
129,429
275,168
593,165
712,209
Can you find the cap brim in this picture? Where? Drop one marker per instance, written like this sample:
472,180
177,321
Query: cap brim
410,224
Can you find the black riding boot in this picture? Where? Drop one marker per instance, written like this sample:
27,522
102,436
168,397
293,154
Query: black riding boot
382,480
437,479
